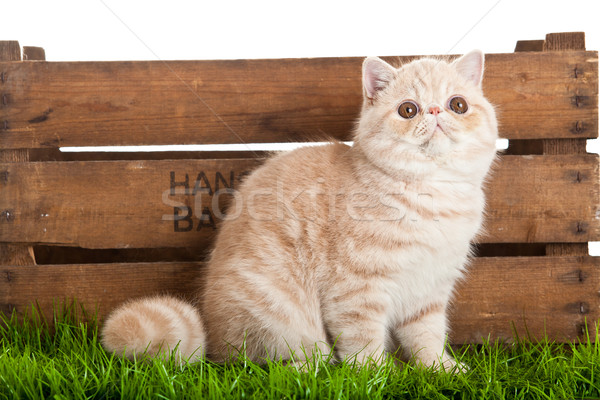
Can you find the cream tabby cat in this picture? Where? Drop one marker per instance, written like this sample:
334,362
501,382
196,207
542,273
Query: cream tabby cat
360,246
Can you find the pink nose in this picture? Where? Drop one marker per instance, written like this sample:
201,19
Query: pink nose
435,110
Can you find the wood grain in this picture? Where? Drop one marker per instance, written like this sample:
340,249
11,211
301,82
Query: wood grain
529,45
10,50
539,295
11,254
130,204
566,41
101,286
31,53
538,95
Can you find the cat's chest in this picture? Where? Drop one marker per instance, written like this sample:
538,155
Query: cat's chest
422,279
415,242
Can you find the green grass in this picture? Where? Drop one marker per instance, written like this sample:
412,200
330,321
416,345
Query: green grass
70,364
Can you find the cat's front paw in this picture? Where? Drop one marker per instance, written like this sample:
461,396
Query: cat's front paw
450,365
443,363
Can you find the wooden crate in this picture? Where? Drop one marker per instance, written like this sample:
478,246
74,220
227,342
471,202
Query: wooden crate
100,227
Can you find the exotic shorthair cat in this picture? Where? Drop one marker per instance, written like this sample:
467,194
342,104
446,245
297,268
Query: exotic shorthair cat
351,249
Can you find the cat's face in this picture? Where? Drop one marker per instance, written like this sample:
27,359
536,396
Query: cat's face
428,111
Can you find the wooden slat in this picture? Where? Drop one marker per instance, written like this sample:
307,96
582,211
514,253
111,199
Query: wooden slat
538,95
538,295
102,286
568,41
128,204
529,45
11,254
31,53
10,50
537,199
564,41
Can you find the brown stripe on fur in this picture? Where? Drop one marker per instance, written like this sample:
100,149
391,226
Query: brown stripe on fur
429,309
352,293
250,294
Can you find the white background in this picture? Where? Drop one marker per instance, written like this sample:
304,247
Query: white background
82,30
136,30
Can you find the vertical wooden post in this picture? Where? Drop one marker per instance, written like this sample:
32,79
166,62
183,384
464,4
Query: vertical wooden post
554,42
564,42
31,53
12,254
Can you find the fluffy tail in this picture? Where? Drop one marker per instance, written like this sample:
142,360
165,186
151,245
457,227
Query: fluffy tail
155,326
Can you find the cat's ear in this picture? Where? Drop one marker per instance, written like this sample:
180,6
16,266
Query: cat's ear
377,74
470,66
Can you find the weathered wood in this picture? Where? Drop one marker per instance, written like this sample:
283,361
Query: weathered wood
549,146
114,204
17,155
568,41
540,295
101,286
529,45
564,41
31,53
539,95
128,204
557,295
11,254
10,50
567,249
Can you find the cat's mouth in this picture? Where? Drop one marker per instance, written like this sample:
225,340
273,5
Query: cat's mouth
440,129
438,140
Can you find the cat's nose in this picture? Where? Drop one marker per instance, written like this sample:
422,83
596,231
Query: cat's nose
435,110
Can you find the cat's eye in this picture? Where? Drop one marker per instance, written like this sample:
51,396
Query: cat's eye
408,109
458,104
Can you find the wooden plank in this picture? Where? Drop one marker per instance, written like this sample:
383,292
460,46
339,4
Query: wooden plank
538,295
31,53
11,254
129,204
538,95
96,286
529,45
114,204
10,50
564,41
537,199
554,42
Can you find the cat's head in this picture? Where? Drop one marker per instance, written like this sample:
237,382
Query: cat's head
426,114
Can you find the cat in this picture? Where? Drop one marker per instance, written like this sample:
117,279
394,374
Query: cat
348,251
